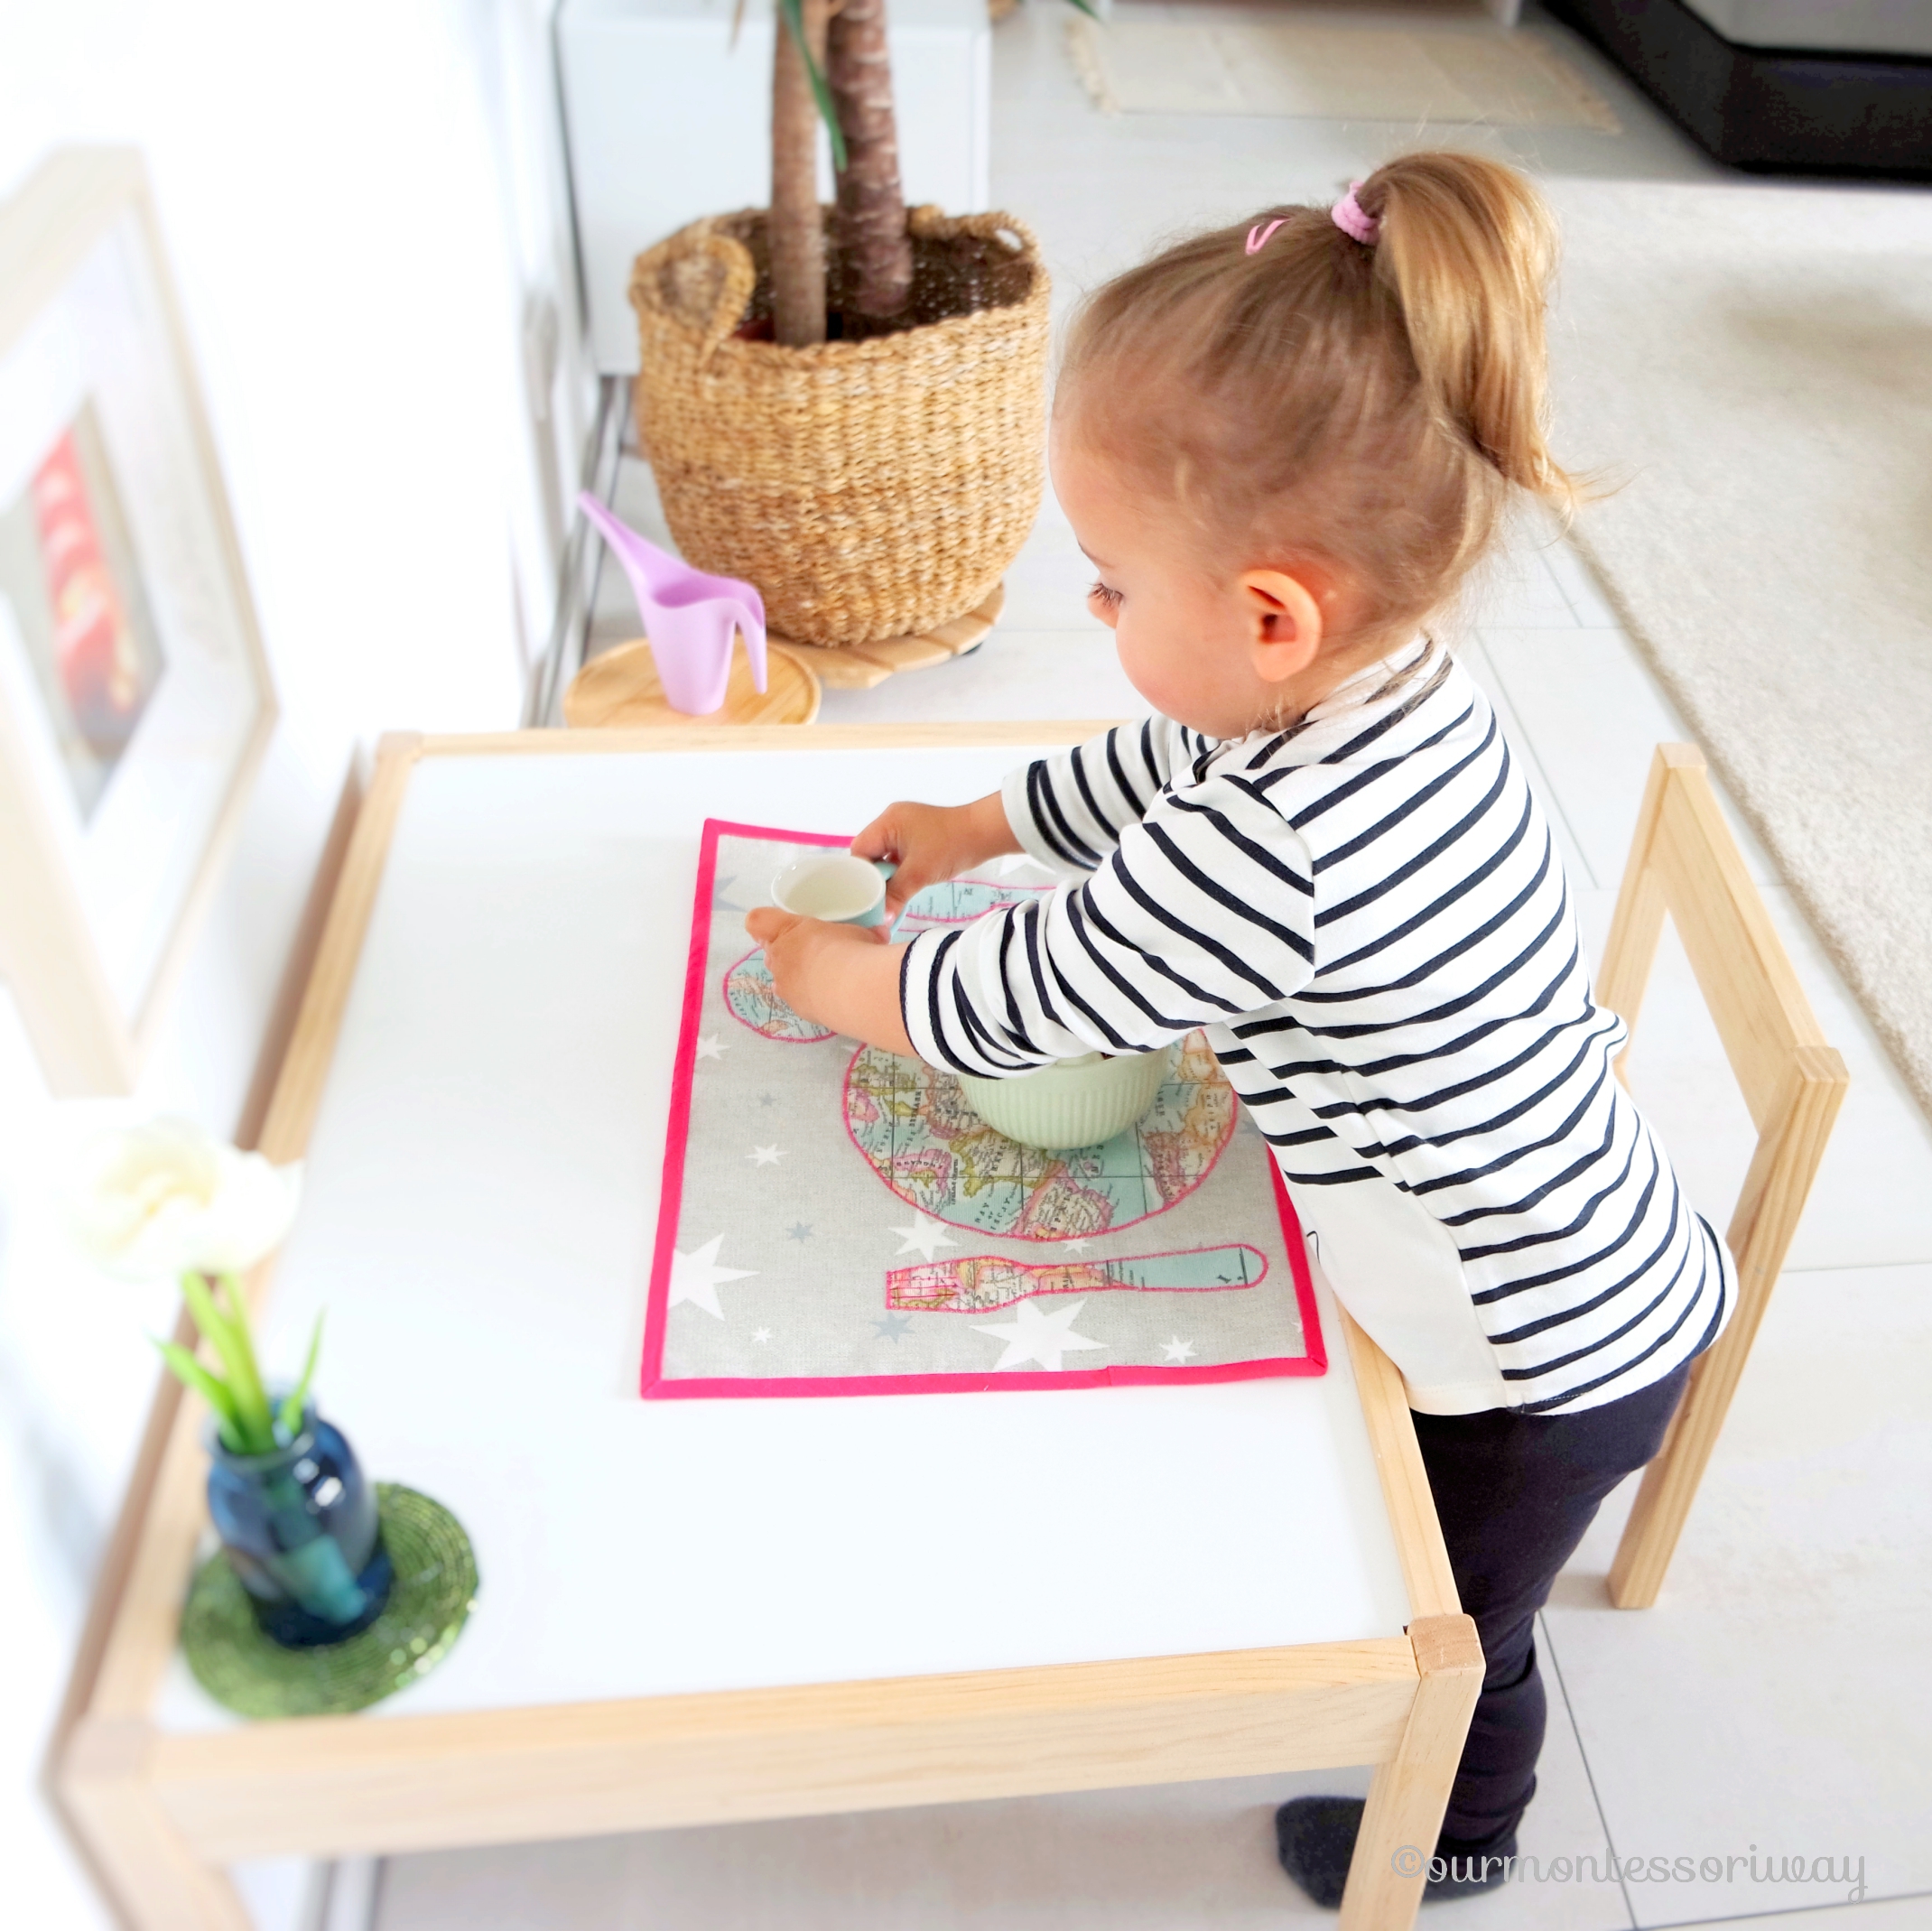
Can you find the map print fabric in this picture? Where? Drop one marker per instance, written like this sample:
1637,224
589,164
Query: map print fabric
837,1220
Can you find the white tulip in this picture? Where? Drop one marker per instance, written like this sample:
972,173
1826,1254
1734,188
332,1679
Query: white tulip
160,1199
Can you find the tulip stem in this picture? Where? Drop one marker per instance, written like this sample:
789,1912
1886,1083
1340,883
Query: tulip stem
252,1397
211,1389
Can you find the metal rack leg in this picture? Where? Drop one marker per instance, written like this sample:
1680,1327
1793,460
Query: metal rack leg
577,580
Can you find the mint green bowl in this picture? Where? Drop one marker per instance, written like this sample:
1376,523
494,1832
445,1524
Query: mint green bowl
1071,1102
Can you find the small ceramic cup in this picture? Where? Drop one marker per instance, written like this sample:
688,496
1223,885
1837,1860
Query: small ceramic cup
835,886
1071,1102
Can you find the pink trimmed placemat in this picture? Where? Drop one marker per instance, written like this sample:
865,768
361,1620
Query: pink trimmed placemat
836,1220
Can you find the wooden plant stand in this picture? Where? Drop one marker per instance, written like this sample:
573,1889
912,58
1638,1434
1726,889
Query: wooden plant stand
859,666
619,688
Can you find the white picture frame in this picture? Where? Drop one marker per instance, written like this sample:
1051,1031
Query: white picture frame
135,700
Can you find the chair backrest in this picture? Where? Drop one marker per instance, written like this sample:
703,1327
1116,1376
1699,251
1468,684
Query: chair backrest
1684,862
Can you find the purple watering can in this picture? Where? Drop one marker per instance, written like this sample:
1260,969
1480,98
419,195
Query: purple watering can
688,616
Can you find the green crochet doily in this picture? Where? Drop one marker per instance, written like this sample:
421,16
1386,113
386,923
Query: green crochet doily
435,1582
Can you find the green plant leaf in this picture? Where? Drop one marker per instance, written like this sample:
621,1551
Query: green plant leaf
794,18
290,1415
251,1396
1088,8
212,1389
247,1402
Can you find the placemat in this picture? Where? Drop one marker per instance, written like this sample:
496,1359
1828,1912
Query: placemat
433,1593
838,1220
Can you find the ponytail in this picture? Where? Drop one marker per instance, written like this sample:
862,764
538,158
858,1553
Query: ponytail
1361,384
1467,248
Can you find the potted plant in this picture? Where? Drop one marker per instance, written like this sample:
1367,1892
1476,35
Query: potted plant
296,1516
845,406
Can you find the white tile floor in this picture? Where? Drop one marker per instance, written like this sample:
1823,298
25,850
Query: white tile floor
1764,1708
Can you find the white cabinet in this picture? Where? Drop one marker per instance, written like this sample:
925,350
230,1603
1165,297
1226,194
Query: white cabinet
667,121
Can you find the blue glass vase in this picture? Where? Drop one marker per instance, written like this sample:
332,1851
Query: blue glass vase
300,1529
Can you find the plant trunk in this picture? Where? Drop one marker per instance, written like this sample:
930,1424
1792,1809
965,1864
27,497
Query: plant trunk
797,235
871,205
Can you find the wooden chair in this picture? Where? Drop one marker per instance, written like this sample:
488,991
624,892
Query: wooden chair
1685,862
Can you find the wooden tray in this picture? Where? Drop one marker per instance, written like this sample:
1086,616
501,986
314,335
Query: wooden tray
620,687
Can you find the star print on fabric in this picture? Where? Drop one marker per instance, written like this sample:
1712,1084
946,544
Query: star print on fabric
767,1100
697,1276
761,1334
1177,1350
710,1047
1032,1336
766,1156
923,1235
798,1230
892,1326
1077,1247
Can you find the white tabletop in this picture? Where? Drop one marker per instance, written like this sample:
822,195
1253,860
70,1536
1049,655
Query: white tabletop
481,1200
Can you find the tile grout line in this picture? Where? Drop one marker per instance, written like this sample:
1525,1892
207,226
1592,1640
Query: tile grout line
1569,1710
1855,1267
1504,628
1562,588
1564,545
1788,1910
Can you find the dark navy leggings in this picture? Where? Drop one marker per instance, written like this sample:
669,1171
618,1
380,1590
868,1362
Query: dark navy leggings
1514,1494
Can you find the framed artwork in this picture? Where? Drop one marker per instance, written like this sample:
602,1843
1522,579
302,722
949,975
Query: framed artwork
134,698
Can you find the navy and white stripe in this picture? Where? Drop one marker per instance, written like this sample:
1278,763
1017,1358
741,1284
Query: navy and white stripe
1369,916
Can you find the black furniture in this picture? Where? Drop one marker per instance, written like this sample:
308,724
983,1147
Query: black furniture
1793,111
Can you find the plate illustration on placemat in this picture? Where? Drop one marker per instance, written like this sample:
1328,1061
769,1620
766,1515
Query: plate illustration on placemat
915,1126
753,996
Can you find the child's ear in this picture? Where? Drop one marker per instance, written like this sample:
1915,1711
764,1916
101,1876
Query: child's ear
1284,623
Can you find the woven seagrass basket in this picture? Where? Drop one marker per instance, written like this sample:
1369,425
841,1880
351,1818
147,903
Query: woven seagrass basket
870,488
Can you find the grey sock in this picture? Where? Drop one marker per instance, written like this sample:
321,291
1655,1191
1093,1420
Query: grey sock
1314,1837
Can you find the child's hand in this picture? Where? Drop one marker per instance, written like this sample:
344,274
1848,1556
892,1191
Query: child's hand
932,842
846,977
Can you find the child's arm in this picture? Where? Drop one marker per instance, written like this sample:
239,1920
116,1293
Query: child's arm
1069,811
1203,911
934,843
841,976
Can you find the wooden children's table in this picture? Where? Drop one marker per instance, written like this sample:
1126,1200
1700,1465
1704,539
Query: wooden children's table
693,1611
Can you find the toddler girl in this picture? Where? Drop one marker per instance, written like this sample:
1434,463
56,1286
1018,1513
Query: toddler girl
1282,446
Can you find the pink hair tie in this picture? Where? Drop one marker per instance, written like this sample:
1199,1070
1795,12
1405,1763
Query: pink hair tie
1354,220
1258,235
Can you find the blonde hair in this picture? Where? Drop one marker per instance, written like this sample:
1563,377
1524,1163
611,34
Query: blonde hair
1370,407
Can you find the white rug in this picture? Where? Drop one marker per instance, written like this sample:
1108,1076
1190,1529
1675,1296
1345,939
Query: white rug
1428,74
1755,364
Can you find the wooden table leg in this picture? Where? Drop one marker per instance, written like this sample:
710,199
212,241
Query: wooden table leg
156,1883
1410,1792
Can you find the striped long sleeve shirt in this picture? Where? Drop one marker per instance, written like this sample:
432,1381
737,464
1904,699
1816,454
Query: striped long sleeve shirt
1368,915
